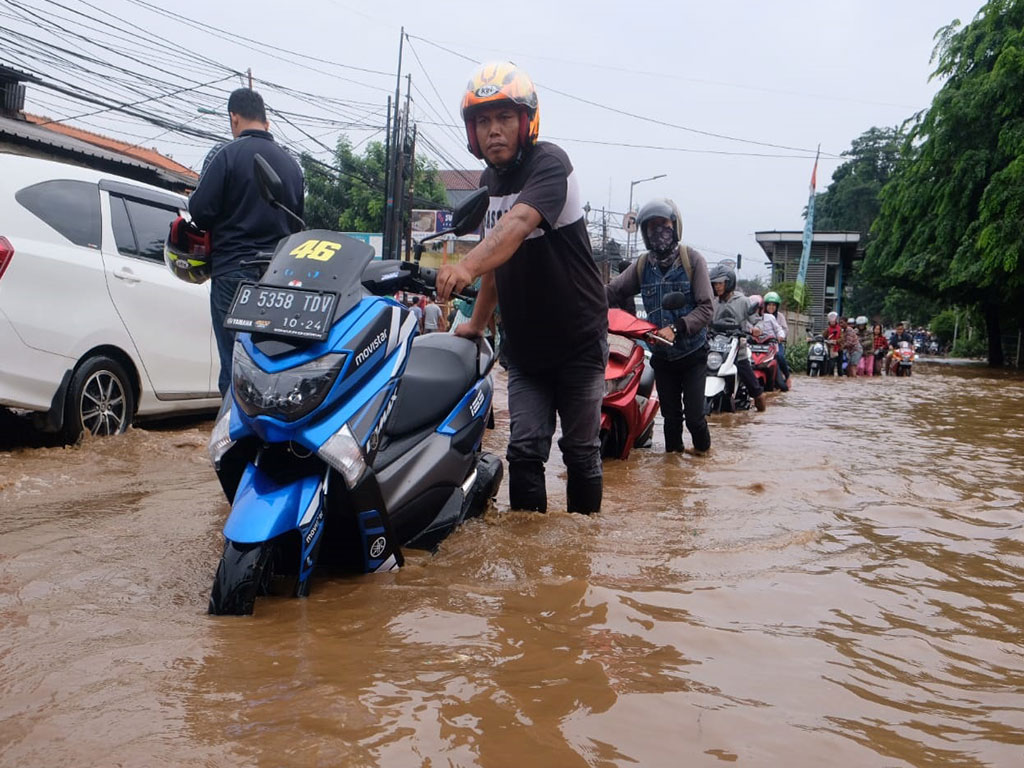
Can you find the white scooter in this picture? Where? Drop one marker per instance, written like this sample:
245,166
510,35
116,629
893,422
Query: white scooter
723,390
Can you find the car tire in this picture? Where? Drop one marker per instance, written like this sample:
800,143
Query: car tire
100,399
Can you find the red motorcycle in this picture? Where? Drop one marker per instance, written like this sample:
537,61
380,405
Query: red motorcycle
630,402
763,351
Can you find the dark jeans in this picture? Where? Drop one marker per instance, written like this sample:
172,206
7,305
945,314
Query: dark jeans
746,373
783,364
574,391
681,390
222,293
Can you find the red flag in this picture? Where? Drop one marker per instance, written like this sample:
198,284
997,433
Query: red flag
814,173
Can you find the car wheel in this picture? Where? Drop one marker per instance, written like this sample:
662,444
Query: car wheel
100,401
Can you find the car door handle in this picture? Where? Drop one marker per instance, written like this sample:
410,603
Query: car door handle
124,273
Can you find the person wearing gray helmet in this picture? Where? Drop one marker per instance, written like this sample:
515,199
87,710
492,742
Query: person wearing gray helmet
669,266
735,310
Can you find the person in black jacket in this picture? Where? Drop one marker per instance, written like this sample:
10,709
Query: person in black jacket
227,203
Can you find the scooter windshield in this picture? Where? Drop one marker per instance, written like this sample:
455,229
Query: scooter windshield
321,260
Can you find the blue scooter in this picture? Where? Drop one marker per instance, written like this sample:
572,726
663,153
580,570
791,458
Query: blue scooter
345,436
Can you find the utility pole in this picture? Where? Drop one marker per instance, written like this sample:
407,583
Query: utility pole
401,158
387,178
250,78
393,170
411,164
606,267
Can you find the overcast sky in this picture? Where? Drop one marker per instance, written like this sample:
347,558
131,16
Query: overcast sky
788,73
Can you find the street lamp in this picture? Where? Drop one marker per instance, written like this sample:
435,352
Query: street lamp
629,235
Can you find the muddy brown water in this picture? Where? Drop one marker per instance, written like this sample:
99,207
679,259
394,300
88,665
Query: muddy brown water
838,583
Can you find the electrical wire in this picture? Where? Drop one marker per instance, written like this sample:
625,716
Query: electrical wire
636,116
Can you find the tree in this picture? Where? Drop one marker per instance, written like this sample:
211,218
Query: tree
349,196
852,201
753,285
943,325
952,214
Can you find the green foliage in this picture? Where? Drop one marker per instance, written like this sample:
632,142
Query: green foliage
851,201
788,293
350,196
903,305
752,285
950,223
976,346
943,325
796,355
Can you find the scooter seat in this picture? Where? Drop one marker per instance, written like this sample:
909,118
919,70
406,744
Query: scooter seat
440,370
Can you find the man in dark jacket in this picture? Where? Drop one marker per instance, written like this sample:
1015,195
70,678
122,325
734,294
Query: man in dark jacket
535,259
227,203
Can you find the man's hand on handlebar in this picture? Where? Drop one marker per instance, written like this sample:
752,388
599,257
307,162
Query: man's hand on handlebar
452,278
665,334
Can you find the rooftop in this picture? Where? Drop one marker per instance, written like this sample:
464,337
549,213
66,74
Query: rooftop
461,180
37,131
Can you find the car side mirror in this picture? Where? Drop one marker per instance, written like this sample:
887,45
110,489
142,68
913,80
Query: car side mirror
470,212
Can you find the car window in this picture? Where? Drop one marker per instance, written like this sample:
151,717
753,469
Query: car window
70,207
124,238
149,223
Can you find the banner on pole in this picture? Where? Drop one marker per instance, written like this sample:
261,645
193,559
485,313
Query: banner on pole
800,290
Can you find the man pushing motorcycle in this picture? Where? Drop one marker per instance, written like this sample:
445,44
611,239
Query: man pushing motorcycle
535,259
679,369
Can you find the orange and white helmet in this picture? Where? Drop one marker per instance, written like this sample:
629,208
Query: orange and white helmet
497,82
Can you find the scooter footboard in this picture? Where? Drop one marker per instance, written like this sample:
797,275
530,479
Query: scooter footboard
265,508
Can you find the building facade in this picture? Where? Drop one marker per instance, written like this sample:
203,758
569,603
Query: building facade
829,267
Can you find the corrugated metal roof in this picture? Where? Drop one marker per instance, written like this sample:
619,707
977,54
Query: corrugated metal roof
149,156
463,180
39,135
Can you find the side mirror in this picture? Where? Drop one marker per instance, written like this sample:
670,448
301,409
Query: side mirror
470,212
270,185
674,300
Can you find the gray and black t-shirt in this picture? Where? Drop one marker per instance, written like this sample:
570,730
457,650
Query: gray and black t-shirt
550,293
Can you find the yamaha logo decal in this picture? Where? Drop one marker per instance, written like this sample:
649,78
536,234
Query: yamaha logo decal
378,547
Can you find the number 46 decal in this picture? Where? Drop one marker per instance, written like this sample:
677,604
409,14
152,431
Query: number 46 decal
318,250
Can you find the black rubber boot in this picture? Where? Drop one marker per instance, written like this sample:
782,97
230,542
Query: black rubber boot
526,486
584,494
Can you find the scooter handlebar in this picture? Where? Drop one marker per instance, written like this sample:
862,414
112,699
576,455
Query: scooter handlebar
428,277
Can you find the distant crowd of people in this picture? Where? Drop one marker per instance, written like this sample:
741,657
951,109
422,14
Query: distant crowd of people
856,350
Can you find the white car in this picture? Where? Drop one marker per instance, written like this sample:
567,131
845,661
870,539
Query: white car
94,329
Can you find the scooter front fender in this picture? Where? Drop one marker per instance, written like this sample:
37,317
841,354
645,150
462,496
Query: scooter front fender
713,385
264,509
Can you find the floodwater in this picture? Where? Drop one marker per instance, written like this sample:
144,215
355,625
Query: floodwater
839,583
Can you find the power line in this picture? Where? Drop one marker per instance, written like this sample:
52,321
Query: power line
634,115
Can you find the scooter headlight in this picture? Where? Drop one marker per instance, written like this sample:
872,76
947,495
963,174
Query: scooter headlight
288,394
715,360
612,386
818,349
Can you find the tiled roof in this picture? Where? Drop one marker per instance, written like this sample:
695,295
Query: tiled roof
148,156
461,180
